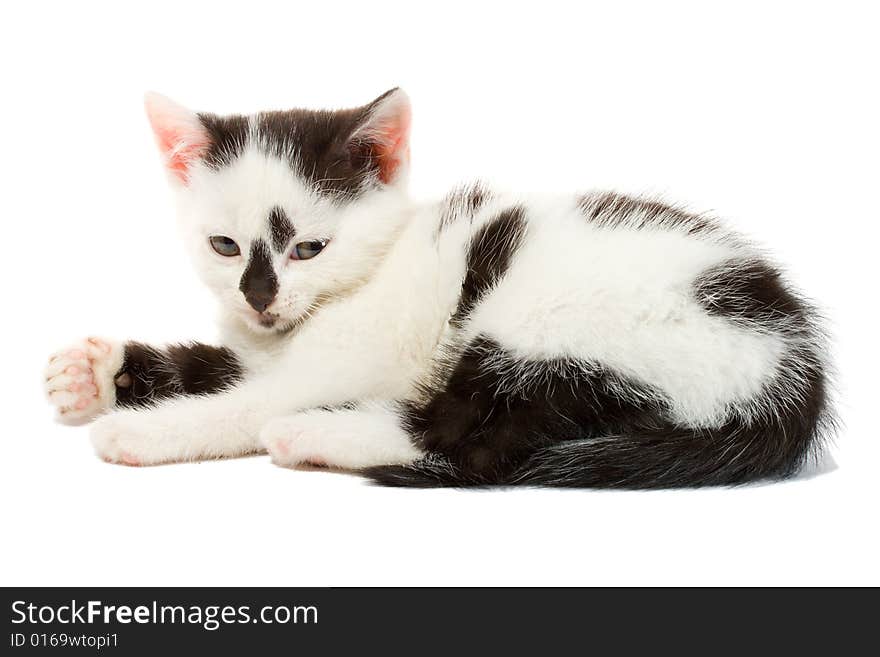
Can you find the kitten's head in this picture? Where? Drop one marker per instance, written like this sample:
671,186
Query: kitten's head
285,210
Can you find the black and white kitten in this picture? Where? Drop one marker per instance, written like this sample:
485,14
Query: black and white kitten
591,340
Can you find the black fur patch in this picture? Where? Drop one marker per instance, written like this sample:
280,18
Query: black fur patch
229,135
610,209
462,202
749,291
149,374
487,420
280,228
489,254
258,282
316,143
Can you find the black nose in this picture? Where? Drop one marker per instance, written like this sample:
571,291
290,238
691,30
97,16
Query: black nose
259,301
258,283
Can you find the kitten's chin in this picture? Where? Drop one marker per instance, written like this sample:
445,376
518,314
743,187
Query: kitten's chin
270,323
267,321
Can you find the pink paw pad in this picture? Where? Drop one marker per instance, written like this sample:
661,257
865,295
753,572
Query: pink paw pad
128,459
281,447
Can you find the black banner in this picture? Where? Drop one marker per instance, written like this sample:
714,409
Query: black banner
413,621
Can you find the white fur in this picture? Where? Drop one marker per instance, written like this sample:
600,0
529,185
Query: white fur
351,439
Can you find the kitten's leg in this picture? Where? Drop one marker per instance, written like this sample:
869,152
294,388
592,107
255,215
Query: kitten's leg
243,419
350,438
96,375
227,423
188,428
150,374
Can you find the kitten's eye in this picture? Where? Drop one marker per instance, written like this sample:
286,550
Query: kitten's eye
306,250
224,245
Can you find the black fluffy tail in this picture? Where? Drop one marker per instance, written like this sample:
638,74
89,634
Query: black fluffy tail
671,459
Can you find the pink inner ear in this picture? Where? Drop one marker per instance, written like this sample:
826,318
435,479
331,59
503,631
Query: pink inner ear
179,151
179,133
392,147
386,133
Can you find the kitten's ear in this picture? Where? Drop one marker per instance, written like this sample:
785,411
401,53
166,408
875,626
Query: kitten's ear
382,134
180,135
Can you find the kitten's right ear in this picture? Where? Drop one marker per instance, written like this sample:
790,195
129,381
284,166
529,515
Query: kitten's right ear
180,134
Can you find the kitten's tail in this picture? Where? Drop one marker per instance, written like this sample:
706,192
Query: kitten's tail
672,459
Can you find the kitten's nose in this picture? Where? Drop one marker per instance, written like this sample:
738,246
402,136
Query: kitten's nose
259,285
258,300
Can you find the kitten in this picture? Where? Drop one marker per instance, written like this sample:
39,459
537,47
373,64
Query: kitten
594,340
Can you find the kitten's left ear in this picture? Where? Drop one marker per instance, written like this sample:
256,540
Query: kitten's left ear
181,136
382,135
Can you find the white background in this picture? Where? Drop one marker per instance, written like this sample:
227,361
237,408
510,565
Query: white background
766,113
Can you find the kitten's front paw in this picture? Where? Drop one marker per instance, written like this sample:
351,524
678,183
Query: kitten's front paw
120,438
293,441
79,380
